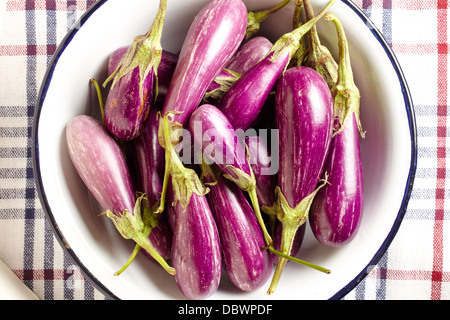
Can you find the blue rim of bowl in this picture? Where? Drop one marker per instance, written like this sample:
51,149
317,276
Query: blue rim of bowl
409,108
341,293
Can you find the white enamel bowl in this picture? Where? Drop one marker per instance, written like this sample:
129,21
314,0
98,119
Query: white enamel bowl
389,151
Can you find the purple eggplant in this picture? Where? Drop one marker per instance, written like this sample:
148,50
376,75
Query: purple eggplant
249,54
265,176
196,249
266,183
149,157
253,87
130,96
337,208
100,162
165,70
304,117
212,39
216,140
246,264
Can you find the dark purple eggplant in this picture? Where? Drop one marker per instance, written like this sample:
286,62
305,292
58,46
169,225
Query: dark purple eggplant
212,39
149,157
165,70
304,117
246,264
101,164
130,96
216,140
196,249
337,208
265,172
252,88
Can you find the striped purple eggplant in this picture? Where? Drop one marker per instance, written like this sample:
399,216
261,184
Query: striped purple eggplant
196,249
165,70
249,54
252,88
217,141
101,164
131,95
304,117
213,37
337,209
246,264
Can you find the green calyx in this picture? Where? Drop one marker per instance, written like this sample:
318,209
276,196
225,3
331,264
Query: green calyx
185,181
346,93
319,57
225,82
255,18
209,173
290,42
291,219
151,219
131,225
144,53
244,180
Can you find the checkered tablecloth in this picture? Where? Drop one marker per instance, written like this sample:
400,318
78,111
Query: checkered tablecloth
415,265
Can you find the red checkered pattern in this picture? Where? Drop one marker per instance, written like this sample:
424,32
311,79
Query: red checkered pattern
416,265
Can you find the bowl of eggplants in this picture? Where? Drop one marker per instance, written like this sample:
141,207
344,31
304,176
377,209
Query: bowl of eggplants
224,149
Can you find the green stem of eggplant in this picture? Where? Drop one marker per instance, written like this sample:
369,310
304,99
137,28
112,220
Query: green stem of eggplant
166,178
319,57
133,255
255,18
260,16
254,199
346,93
290,42
299,261
100,98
